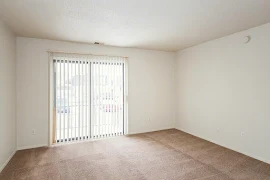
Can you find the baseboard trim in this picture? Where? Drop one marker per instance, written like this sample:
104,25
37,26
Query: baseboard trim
220,144
152,130
4,165
31,147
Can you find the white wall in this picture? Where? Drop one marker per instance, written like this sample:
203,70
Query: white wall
150,87
7,94
223,89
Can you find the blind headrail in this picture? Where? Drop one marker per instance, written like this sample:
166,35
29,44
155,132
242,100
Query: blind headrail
77,53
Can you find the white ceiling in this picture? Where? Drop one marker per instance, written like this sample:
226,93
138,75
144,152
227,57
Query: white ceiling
167,25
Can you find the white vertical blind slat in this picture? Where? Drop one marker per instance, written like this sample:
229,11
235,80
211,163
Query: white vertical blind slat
101,98
81,98
98,98
79,101
110,91
113,79
95,117
109,97
123,96
114,94
89,98
60,127
85,99
75,102
92,100
56,96
117,103
64,97
68,107
118,87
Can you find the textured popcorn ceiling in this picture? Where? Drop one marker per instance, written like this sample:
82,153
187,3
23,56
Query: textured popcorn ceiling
167,25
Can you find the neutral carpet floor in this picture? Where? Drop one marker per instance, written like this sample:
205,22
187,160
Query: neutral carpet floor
168,154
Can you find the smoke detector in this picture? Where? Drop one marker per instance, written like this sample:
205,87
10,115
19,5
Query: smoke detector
246,39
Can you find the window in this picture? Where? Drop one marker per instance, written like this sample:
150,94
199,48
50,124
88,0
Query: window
89,97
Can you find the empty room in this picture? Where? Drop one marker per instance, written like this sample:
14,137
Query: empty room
134,90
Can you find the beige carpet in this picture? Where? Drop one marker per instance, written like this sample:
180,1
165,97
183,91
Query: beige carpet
168,154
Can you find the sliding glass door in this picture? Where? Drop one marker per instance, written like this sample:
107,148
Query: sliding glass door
88,98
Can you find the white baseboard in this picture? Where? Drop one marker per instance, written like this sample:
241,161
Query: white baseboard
4,165
152,130
33,146
226,146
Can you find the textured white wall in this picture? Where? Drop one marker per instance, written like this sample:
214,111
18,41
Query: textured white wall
150,87
7,94
223,90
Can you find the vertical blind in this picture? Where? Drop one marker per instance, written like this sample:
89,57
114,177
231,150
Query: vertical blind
88,97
